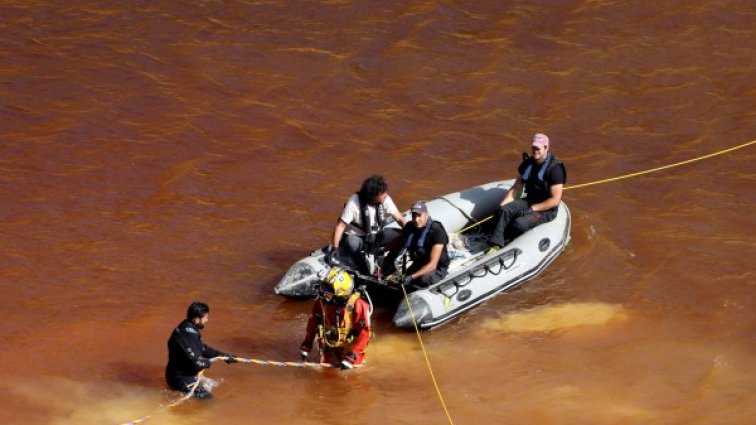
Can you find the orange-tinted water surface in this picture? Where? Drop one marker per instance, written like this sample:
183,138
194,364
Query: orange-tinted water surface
157,153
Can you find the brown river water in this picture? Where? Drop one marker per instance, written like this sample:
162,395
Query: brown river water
156,153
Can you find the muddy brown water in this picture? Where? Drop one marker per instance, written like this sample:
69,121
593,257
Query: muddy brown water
154,153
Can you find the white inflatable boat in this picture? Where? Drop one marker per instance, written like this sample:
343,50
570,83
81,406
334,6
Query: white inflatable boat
475,274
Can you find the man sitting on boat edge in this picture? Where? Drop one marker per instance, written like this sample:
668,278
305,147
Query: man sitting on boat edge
425,241
359,229
543,176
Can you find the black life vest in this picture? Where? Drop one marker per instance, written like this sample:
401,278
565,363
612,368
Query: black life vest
537,188
365,215
417,248
372,231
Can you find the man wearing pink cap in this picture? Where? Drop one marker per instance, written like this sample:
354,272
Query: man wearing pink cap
543,176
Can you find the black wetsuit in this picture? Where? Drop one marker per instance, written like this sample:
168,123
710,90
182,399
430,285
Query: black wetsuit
187,356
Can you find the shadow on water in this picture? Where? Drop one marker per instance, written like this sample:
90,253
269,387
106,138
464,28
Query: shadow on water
282,258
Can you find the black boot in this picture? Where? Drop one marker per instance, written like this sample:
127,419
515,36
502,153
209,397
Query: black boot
201,393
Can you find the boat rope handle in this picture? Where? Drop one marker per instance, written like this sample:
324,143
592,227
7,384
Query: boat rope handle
425,354
627,176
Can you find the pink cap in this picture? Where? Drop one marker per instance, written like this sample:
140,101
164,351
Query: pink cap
540,140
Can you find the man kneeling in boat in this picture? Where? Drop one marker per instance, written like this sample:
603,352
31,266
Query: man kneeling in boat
425,241
340,322
543,177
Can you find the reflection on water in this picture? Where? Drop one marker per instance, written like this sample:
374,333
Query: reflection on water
76,402
556,317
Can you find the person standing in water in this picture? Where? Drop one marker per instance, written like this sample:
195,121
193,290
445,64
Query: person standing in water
340,322
188,355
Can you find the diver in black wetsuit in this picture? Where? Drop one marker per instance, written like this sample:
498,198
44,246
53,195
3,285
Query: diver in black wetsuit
188,355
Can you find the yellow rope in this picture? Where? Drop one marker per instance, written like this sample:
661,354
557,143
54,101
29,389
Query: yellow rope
664,167
473,225
425,354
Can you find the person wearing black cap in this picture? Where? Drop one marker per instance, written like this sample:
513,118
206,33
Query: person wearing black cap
425,241
543,176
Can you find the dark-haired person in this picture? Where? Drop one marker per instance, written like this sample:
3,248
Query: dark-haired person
188,355
360,226
425,241
543,177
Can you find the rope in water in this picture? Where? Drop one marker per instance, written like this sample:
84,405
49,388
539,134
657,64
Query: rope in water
174,403
425,354
626,176
189,395
664,167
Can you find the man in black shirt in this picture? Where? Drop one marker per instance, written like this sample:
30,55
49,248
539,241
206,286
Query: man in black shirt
543,177
425,240
188,355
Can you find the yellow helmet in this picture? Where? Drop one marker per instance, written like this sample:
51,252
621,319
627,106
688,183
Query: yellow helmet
339,282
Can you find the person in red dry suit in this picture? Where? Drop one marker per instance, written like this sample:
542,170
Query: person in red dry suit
340,322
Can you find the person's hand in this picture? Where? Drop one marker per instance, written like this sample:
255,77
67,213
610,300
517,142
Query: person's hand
332,257
327,256
407,280
230,358
304,354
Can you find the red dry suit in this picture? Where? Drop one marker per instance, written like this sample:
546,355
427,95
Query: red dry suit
345,330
